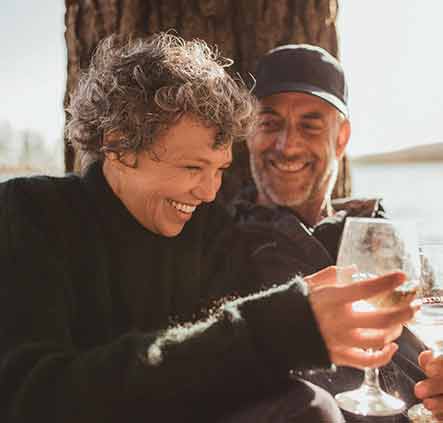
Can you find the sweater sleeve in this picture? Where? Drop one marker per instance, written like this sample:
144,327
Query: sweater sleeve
244,349
262,261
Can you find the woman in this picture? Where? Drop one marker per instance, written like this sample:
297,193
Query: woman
101,272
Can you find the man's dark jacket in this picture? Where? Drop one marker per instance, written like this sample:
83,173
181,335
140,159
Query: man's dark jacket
314,248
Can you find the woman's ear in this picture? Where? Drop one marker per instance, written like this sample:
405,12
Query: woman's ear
112,139
111,155
114,154
121,161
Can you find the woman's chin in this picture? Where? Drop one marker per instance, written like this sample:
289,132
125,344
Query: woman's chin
171,231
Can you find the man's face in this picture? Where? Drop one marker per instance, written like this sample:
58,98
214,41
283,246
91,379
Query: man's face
182,171
294,153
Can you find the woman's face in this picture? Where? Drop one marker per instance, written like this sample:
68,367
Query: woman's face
181,171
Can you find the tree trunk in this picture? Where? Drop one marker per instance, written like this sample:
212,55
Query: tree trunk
243,29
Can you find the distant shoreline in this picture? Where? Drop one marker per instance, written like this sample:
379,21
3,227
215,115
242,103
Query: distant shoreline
13,169
27,169
428,153
384,161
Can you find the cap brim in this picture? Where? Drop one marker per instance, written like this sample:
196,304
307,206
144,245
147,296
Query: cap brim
302,88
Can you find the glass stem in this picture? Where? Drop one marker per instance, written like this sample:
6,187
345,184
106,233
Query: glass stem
371,379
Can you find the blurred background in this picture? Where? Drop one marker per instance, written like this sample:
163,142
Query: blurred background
32,84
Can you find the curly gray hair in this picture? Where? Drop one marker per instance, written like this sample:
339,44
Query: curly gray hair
141,87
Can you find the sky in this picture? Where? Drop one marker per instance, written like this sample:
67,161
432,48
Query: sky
33,66
391,52
392,55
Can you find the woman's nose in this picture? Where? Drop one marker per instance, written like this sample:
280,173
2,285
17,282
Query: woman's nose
207,189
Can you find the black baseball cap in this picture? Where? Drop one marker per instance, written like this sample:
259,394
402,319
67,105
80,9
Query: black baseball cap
302,68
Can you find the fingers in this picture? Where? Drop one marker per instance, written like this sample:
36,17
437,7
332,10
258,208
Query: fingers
435,405
434,367
323,277
429,387
368,338
438,417
328,276
372,339
431,392
424,358
356,357
369,287
345,273
348,333
382,318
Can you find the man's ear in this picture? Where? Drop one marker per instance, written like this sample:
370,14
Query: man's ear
344,134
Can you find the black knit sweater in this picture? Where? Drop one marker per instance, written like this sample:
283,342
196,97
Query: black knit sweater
93,310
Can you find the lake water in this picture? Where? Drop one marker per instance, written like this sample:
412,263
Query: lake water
408,191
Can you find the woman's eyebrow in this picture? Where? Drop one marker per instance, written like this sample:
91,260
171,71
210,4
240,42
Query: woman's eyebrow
205,161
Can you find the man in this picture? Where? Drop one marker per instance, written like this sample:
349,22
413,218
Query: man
302,134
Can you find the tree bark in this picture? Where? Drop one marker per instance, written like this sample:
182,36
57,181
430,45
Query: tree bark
242,29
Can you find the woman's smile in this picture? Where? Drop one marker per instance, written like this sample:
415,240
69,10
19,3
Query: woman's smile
182,207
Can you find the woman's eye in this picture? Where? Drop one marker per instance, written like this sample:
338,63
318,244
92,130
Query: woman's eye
193,170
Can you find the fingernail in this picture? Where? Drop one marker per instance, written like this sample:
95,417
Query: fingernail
416,303
419,390
401,276
353,267
415,307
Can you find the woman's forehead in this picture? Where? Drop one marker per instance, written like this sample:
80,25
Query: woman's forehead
191,139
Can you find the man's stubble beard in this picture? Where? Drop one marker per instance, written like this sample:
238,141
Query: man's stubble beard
266,190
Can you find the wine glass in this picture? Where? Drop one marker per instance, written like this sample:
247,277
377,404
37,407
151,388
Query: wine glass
427,324
376,247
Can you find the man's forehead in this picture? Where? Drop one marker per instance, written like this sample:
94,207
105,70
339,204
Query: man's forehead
312,106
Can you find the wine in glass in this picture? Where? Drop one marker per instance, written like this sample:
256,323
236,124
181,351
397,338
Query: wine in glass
427,324
376,247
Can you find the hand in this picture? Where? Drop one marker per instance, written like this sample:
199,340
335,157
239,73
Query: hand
430,390
347,332
328,276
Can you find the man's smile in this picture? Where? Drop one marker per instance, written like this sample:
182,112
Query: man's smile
293,166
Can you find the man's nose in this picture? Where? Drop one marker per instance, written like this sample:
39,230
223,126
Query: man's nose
288,141
207,189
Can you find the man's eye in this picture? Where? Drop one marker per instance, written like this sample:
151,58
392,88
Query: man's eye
268,125
312,128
